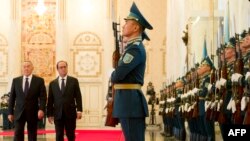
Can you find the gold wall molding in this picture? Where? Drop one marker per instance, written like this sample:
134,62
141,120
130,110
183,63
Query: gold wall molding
14,9
87,62
38,37
43,59
87,39
40,50
3,63
41,37
87,55
62,10
3,56
3,41
163,50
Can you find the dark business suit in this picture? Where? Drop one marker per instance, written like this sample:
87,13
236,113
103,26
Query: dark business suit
63,107
25,107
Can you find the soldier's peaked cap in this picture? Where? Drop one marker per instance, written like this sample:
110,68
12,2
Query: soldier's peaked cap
136,15
207,61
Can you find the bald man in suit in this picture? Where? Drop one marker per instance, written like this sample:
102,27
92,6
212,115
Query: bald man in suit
64,103
27,102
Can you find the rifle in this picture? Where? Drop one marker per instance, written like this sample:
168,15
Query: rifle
211,96
222,118
195,113
247,114
190,98
172,93
183,100
111,121
238,89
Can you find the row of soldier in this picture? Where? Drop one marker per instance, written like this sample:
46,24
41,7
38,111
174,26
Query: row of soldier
206,95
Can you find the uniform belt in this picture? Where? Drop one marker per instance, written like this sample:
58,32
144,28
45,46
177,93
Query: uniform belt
127,86
201,98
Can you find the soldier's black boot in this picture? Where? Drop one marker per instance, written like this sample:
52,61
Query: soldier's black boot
167,131
182,134
170,131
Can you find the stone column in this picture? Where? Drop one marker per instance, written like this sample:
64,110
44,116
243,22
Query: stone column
62,46
14,41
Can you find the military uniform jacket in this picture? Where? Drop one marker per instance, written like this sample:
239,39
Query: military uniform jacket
202,94
130,70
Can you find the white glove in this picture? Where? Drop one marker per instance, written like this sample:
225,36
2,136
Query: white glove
247,75
161,109
236,77
233,78
217,84
214,104
195,90
243,104
166,110
223,82
186,106
209,87
207,103
233,106
182,108
229,106
162,102
189,108
219,105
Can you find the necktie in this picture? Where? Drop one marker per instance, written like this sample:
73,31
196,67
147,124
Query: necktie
62,86
26,86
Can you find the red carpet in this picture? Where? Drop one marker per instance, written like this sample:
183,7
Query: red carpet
87,135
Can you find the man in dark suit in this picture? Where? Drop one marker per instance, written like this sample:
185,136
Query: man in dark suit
64,103
27,102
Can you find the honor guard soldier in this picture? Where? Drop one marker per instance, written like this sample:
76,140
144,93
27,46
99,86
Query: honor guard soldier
188,112
170,109
179,128
130,105
193,109
206,127
168,124
237,86
228,57
162,107
245,102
